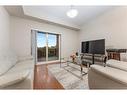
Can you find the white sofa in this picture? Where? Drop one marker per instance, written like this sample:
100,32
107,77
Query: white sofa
113,76
16,72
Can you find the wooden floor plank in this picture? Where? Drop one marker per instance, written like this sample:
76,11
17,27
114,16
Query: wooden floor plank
43,79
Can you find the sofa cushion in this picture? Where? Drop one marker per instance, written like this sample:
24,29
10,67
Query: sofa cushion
112,73
24,58
4,66
117,64
12,57
9,55
12,78
7,60
23,65
123,57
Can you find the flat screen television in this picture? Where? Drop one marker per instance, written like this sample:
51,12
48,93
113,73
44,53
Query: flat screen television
93,47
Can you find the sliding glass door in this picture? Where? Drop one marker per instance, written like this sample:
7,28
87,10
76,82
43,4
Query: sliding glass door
47,47
53,47
41,46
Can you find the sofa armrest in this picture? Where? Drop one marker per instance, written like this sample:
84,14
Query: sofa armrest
100,77
117,64
12,78
24,58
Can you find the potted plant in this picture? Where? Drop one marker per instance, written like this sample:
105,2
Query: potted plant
73,56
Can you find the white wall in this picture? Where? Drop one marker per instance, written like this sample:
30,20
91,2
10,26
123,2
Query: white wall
111,25
4,29
21,36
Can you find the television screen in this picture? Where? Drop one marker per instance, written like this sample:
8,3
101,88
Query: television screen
94,47
85,47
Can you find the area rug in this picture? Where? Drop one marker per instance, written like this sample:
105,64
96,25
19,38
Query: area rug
69,77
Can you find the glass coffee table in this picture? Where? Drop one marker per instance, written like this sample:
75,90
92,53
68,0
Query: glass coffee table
79,63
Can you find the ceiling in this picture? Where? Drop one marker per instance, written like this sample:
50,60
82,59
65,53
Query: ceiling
57,14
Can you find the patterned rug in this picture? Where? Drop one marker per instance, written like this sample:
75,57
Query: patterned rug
70,77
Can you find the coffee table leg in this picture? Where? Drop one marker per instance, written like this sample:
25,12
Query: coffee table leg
81,69
82,72
67,63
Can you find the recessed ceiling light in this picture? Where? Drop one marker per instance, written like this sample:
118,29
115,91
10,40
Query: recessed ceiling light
72,13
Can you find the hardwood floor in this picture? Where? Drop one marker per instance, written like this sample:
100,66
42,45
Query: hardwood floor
43,78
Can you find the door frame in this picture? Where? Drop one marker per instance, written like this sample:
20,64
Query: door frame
37,63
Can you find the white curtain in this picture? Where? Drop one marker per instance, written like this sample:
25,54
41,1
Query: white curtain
33,45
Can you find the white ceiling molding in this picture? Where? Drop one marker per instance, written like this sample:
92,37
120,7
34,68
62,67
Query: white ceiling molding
34,12
57,14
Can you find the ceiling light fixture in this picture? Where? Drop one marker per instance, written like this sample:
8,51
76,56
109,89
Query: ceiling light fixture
72,13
